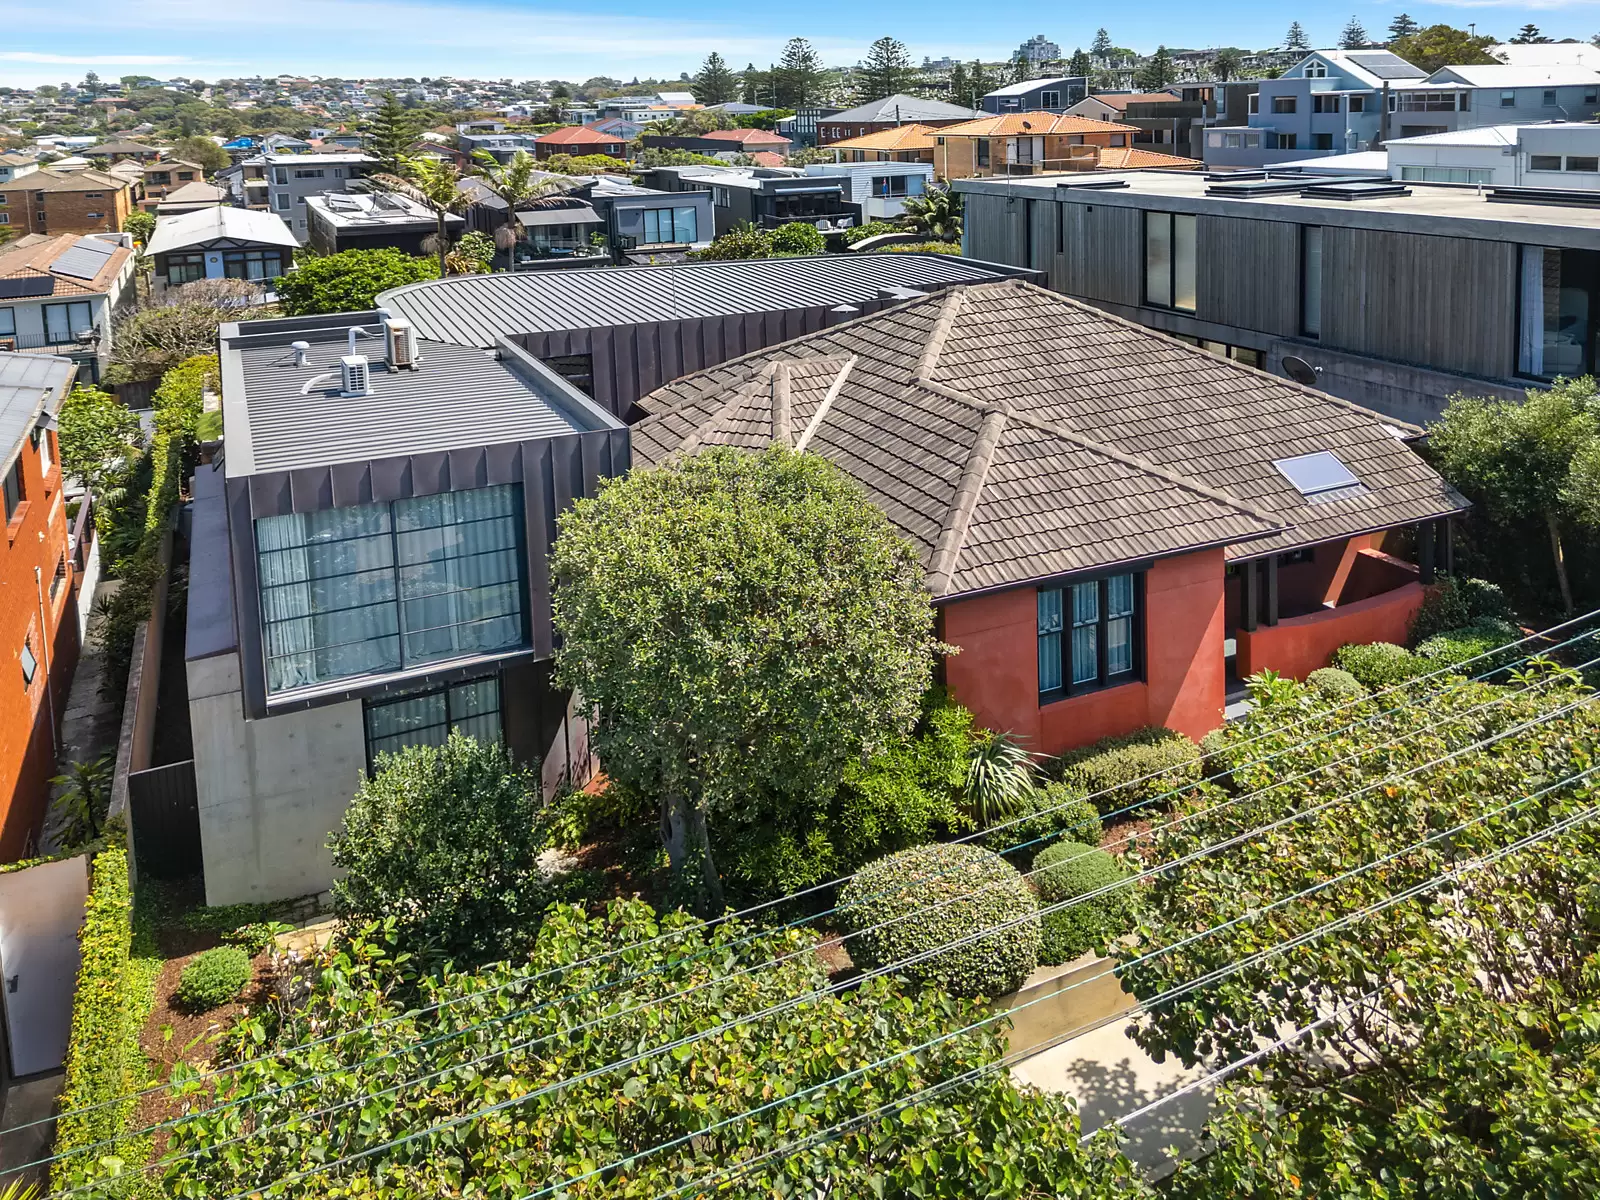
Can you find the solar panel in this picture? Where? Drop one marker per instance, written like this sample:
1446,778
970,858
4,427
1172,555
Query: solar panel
84,259
1316,474
26,285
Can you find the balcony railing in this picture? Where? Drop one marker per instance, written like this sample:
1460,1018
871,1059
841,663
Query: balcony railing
87,342
823,221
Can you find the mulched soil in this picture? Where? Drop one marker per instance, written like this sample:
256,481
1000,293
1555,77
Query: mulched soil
1127,834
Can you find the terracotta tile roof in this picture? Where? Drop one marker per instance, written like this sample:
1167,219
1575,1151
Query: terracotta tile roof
901,137
767,158
1033,123
1121,102
745,136
1013,434
32,257
576,135
1135,158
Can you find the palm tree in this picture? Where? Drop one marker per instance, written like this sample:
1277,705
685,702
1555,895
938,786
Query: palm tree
518,185
435,184
938,210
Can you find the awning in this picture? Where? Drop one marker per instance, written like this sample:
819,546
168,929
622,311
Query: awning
573,214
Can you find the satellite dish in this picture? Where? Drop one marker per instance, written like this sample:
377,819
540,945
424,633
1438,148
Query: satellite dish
1299,370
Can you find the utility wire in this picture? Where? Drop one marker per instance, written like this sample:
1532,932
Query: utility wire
1125,882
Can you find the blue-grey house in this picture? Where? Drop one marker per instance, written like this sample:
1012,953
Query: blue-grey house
1037,95
1473,97
1330,102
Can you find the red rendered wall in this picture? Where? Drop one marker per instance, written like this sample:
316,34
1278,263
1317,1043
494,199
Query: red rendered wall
35,537
997,672
1299,645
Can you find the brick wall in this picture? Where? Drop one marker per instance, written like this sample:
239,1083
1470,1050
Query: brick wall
93,210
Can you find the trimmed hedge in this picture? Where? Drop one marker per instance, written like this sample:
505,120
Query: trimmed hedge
213,979
1070,869
1458,602
1457,646
1335,684
104,1061
944,893
1378,665
1112,772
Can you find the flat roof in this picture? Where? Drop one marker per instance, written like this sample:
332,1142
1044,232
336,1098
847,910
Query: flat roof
1450,211
281,416
471,310
375,210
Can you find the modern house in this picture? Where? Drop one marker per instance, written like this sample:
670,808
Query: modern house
1397,294
766,197
579,140
370,220
1466,97
1054,95
220,242
881,189
38,621
1330,102
1023,144
502,147
369,570
1111,524
60,294
52,202
891,112
901,143
164,176
1560,156
619,332
280,183
1111,106
1162,118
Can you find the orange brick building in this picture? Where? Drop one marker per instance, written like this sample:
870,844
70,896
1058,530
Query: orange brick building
52,202
1030,143
38,619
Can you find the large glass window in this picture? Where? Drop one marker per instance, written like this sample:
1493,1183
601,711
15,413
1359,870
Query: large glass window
1559,298
1447,174
185,268
1088,635
1311,280
427,717
8,322
64,322
383,587
1169,260
252,264
667,226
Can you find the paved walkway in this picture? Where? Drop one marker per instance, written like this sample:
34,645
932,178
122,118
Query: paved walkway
25,1102
91,723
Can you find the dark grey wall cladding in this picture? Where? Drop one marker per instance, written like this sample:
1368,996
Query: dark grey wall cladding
553,472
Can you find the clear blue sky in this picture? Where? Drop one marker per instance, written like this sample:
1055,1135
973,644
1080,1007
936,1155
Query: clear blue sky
211,39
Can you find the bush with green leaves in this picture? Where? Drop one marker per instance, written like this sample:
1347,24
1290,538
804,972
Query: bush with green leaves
1117,772
920,248
98,437
1457,602
868,229
1477,649
798,237
743,241
213,979
530,1100
444,841
1216,761
350,280
965,904
1070,869
1379,665
1335,684
1055,809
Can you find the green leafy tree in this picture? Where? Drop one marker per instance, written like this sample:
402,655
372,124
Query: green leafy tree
201,151
436,185
177,325
797,79
1101,46
1226,64
93,85
661,979
798,237
744,626
1529,35
1354,35
716,83
1444,46
520,186
743,241
83,795
96,435
754,86
1157,71
1296,38
1080,64
1452,1052
478,248
350,280
444,842
1516,461
390,132
141,224
960,88
1021,70
886,71
982,81
1402,27
937,210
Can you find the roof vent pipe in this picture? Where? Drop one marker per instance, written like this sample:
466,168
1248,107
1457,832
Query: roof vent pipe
838,316
356,331
302,353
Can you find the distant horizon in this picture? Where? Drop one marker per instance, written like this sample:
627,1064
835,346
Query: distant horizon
496,39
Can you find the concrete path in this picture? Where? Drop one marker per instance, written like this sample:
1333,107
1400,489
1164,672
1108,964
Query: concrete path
1109,1076
25,1102
90,725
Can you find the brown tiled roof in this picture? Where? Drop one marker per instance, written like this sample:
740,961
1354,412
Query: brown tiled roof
1136,158
46,180
767,158
744,136
1032,123
901,137
1013,434
31,257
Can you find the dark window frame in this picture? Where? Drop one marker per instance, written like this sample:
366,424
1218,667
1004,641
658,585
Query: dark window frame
1305,280
451,721
1104,680
981,153
1170,303
15,490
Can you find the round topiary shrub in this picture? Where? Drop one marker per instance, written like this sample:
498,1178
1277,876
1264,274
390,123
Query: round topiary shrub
1070,869
1477,648
1334,684
920,899
1378,665
213,979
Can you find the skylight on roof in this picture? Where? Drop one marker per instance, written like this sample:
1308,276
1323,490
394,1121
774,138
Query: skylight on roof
1316,474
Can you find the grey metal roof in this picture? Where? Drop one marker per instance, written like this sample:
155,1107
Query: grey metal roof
209,627
457,398
471,310
1013,434
567,214
905,109
29,385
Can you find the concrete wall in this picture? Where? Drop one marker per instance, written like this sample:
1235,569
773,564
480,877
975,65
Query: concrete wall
271,790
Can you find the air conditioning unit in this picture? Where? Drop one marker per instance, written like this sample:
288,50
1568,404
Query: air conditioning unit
355,377
400,344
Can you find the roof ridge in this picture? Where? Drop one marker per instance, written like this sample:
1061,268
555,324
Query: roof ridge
958,518
949,309
1130,460
781,432
745,391
828,398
